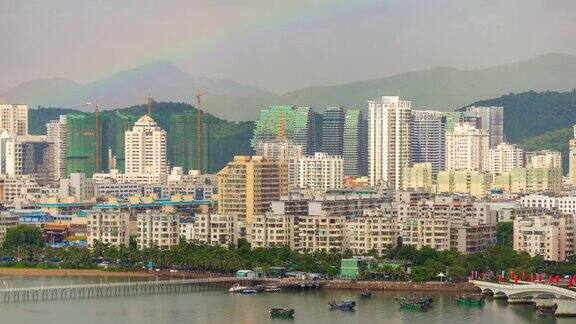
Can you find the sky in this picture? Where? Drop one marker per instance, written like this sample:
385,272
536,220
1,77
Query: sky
276,45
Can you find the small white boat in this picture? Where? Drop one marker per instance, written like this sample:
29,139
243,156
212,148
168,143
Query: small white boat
237,289
272,289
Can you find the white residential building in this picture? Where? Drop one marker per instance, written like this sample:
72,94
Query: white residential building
187,230
216,229
56,131
388,140
466,148
14,119
544,159
320,172
110,227
158,229
505,157
145,148
77,186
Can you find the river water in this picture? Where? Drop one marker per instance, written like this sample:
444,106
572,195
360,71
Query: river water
216,306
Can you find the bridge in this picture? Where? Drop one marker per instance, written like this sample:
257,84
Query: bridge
523,290
10,295
537,293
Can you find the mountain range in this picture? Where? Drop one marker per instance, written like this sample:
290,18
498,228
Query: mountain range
441,88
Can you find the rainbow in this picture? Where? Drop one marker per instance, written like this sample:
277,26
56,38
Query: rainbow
318,10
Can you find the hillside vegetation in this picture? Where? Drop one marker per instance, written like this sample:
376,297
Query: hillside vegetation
226,138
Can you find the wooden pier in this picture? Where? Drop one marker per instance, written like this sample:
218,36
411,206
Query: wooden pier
11,295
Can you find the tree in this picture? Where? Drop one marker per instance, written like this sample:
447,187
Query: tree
504,233
23,238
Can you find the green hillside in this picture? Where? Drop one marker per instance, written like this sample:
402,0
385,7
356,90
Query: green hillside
226,138
538,120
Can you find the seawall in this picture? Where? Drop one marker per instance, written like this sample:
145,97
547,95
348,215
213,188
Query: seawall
392,285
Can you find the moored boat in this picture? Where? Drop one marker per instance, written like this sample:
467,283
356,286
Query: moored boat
471,300
415,303
281,313
249,291
366,294
342,305
237,288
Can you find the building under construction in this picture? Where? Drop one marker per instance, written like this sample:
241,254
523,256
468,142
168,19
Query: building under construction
113,140
85,151
300,126
183,142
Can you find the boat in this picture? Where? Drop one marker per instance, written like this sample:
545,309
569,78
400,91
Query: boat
237,289
342,305
258,288
415,303
544,310
281,313
471,300
249,291
272,289
366,294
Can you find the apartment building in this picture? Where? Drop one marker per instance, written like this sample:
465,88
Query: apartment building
218,229
418,177
110,227
544,159
275,230
157,229
320,172
550,236
467,148
505,157
373,231
473,183
14,119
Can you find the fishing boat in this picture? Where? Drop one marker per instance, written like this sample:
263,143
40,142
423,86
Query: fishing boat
237,289
281,313
415,303
545,310
471,300
366,294
342,305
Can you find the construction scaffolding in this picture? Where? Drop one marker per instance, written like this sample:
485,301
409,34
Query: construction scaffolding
182,142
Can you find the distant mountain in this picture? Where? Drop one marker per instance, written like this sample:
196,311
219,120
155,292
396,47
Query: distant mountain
440,88
162,80
447,88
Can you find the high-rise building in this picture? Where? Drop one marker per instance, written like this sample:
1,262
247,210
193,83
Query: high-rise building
145,148
544,159
28,155
85,152
388,140
466,148
299,126
182,142
56,133
428,138
14,119
333,131
247,185
355,151
321,172
490,119
505,157
572,159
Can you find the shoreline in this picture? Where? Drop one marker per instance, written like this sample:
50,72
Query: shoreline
399,286
31,272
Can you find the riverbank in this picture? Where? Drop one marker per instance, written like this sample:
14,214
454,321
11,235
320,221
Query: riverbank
30,272
399,286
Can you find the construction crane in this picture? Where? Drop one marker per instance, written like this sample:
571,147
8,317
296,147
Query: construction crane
199,143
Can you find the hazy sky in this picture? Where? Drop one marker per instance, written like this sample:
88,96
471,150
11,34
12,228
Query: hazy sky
276,45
